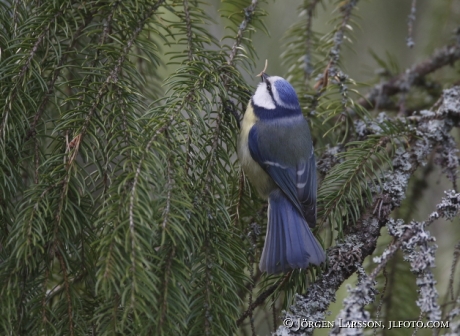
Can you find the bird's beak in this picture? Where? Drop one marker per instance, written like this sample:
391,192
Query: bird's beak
264,77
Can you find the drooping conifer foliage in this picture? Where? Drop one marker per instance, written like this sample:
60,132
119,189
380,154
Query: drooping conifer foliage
122,206
116,191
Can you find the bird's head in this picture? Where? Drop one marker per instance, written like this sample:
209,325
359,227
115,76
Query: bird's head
273,92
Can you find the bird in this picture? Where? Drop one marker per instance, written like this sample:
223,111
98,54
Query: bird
276,153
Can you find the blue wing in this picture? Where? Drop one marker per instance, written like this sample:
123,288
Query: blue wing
306,188
290,163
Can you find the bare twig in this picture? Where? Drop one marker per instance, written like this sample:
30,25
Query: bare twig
379,95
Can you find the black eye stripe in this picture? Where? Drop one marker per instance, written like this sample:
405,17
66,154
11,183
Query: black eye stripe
269,88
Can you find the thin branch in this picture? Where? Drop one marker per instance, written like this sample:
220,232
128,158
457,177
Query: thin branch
308,67
379,95
331,70
25,67
36,159
207,296
410,24
108,25
59,288
240,196
15,16
168,196
160,131
248,14
450,286
164,304
188,24
56,72
382,298
124,119
113,77
212,152
67,291
253,241
45,284
261,298
334,53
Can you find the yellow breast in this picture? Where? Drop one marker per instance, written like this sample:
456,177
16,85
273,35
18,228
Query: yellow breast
258,177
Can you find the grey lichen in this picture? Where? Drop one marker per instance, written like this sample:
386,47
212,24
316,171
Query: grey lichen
419,250
450,205
367,126
329,159
447,158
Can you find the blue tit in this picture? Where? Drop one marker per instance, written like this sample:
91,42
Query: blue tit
276,153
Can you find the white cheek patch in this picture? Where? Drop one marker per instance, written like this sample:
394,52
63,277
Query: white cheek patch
262,98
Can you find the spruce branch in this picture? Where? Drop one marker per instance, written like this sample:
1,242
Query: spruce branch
19,78
67,292
353,175
167,279
50,293
160,131
188,24
15,16
113,76
51,83
44,318
169,182
212,155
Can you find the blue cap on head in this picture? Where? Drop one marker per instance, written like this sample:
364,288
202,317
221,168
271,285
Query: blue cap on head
286,93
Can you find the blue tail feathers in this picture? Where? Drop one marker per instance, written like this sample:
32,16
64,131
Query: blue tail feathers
289,243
